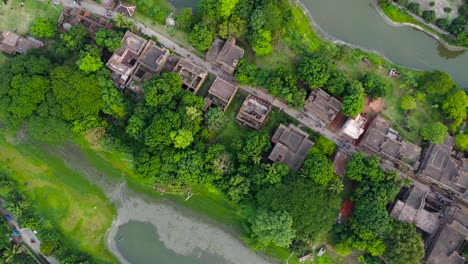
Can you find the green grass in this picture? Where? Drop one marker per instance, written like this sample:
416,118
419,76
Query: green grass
78,208
397,15
13,16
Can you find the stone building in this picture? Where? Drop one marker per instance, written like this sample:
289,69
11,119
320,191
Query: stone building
254,112
13,43
225,54
192,76
382,140
221,93
291,146
92,22
322,107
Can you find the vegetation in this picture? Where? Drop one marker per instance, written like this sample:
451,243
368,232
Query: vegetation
434,132
43,28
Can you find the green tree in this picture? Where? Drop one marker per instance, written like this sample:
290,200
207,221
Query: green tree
319,168
336,83
343,249
182,138
352,105
183,18
455,106
314,71
89,63
161,89
123,22
324,146
257,19
436,82
428,16
78,94
48,130
26,94
404,245
434,132
108,38
201,37
252,148
43,28
443,23
457,25
226,7
261,42
272,228
311,217
461,142
274,173
413,7
10,253
76,38
374,85
246,73
463,10
215,119
408,103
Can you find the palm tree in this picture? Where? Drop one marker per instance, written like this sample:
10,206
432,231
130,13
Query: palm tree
10,253
336,186
119,21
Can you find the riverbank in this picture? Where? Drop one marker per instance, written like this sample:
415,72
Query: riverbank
387,17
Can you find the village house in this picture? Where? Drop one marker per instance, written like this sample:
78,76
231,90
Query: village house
150,62
420,208
354,127
451,242
125,9
225,54
291,146
108,4
322,107
254,112
13,43
382,140
125,59
340,161
192,76
441,166
92,22
221,93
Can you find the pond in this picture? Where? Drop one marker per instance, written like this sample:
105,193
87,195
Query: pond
357,22
149,230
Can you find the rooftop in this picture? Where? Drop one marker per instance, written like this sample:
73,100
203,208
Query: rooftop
413,211
354,127
192,76
13,43
133,42
254,112
153,56
225,53
441,166
323,106
292,146
125,8
381,139
340,161
222,92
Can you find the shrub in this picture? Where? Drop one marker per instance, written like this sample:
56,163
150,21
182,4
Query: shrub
447,9
432,4
428,16
463,10
443,23
413,8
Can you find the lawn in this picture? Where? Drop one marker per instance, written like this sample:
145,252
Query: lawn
13,16
66,198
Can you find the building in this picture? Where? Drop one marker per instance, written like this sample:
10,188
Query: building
451,242
322,107
192,76
442,167
221,93
382,140
291,146
13,43
92,22
254,112
150,62
419,208
340,161
225,54
108,4
125,9
354,127
124,61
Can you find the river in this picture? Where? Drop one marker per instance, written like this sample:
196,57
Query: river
357,22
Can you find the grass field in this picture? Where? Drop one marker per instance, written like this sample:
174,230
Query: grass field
13,16
66,198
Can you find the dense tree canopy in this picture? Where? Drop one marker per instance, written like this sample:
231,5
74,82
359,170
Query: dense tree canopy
436,82
461,142
408,103
454,106
201,37
272,227
310,216
374,85
43,28
314,71
404,245
161,89
434,132
318,168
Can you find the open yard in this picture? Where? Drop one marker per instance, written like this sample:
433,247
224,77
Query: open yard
63,196
12,15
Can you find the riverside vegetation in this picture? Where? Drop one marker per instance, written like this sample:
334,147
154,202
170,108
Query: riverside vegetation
64,91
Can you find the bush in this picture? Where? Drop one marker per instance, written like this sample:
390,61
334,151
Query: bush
428,16
443,23
43,28
463,10
432,4
457,26
413,8
447,9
